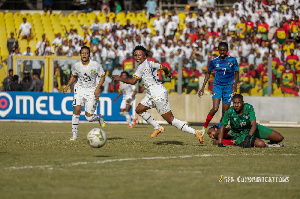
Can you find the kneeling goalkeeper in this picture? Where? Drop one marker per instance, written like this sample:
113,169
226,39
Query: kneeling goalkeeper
244,129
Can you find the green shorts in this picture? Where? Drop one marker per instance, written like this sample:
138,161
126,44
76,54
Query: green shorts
261,132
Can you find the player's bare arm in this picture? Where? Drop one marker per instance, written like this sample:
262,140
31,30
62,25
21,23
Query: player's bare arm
125,80
201,91
132,96
120,93
71,81
236,80
97,90
221,134
253,127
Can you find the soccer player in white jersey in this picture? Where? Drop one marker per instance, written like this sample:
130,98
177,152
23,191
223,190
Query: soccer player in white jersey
86,90
157,94
129,93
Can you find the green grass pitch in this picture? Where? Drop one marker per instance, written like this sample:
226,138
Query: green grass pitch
37,160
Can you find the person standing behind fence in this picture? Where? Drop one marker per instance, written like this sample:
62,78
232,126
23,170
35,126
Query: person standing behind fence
8,80
36,84
15,86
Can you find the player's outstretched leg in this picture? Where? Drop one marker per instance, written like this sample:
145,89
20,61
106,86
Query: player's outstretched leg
75,123
128,119
182,125
150,120
141,110
92,118
134,119
210,115
275,138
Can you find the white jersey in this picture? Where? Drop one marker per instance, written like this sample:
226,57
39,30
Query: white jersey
87,75
127,90
148,72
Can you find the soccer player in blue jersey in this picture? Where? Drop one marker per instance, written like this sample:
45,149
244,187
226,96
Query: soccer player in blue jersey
226,78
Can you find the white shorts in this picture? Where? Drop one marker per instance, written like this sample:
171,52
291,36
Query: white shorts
159,102
87,100
124,103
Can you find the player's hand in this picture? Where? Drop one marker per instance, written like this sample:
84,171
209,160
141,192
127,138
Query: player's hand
115,77
115,100
221,145
233,90
65,90
169,75
201,92
246,142
97,93
128,100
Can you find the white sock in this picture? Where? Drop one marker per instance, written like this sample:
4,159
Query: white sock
149,119
93,118
132,117
183,126
75,123
128,118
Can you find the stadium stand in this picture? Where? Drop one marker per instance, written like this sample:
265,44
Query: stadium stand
249,29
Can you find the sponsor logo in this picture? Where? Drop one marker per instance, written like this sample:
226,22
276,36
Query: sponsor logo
6,104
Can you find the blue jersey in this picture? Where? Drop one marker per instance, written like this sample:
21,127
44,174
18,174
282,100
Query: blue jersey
224,70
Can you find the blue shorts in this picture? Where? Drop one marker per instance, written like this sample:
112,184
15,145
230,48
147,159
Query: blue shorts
223,93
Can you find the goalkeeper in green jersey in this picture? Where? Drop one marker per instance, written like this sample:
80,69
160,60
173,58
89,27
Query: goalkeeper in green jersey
244,129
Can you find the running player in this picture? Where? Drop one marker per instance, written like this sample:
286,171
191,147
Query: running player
225,83
86,89
129,93
244,129
157,94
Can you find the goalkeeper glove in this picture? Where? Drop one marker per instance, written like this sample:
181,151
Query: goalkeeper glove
221,145
246,142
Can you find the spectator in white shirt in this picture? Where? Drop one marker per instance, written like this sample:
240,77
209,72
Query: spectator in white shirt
41,45
107,25
157,52
58,40
25,29
48,50
108,55
170,27
158,23
96,25
175,17
246,47
191,19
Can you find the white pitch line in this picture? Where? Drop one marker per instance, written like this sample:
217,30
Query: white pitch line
129,159
108,161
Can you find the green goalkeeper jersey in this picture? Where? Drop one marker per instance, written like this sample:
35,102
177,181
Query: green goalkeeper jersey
240,124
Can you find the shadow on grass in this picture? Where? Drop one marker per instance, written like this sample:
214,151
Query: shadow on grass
115,138
168,142
101,156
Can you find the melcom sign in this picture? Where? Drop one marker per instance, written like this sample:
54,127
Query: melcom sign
52,106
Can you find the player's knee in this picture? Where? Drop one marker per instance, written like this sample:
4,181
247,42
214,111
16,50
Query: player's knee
259,143
279,137
138,111
89,118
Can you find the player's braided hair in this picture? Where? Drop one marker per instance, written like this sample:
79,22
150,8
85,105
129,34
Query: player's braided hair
225,44
85,47
140,47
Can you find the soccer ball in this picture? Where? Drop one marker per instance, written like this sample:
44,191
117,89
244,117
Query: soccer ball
96,138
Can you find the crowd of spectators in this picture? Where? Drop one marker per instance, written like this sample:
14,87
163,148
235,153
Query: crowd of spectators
254,30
